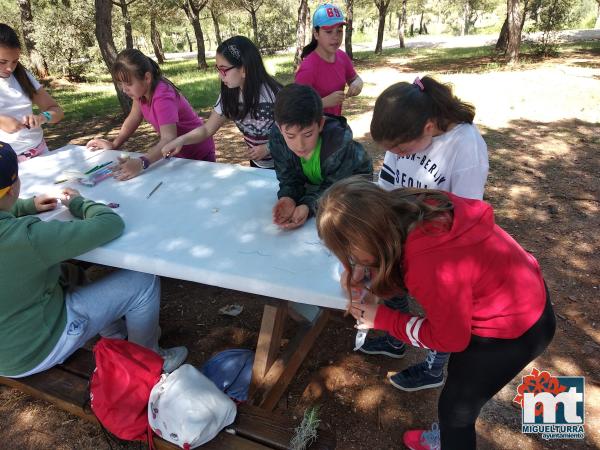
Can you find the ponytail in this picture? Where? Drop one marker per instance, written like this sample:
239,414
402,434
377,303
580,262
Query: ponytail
9,39
312,45
403,109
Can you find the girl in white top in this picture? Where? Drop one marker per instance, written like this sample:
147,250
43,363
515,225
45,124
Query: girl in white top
19,91
430,139
431,143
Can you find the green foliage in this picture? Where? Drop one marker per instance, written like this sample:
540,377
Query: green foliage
306,432
550,17
276,27
65,37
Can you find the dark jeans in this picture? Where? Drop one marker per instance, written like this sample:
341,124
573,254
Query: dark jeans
476,374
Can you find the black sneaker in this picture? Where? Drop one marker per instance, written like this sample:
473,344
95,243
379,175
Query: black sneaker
382,346
415,378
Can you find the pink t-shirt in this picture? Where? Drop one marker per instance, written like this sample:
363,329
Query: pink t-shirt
167,107
326,77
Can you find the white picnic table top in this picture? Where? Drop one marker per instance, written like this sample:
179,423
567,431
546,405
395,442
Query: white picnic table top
208,222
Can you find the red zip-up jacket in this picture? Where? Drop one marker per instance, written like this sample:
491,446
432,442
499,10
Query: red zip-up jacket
473,279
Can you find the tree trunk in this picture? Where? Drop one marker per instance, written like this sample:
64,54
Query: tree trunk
421,22
514,30
156,41
502,43
126,23
107,45
464,30
382,6
254,26
189,41
349,28
402,24
38,65
215,20
300,31
192,12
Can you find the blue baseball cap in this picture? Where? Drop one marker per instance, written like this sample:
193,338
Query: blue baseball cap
9,168
328,16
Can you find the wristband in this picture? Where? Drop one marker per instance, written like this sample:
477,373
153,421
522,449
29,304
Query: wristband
145,162
47,115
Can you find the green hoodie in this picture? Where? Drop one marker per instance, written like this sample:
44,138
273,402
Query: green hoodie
32,293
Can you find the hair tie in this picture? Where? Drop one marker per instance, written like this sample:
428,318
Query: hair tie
235,52
419,84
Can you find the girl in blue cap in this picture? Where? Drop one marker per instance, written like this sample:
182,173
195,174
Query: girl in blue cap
324,66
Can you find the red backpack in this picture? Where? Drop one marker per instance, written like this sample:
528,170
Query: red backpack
120,387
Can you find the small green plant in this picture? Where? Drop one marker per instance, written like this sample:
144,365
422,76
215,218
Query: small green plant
306,432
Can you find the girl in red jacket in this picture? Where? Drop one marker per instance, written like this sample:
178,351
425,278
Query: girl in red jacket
483,295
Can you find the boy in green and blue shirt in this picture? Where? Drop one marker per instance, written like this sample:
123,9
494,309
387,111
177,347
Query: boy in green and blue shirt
44,315
311,152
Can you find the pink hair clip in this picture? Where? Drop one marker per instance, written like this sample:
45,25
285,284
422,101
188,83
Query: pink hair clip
419,83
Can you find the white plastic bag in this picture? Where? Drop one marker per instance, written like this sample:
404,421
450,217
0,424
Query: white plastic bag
187,409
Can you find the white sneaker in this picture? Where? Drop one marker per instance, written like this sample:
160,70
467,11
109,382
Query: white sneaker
173,357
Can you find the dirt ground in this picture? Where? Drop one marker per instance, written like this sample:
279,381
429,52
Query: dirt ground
541,123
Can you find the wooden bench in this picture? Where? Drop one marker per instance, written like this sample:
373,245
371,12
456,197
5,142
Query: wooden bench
66,386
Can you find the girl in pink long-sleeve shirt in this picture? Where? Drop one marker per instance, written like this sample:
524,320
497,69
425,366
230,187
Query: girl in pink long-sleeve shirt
160,103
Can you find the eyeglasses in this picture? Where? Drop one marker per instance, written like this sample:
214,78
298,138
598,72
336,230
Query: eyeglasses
223,70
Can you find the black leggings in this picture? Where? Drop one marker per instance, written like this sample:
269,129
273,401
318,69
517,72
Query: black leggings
476,374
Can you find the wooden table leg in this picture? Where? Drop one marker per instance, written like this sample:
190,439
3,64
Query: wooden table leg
269,340
269,381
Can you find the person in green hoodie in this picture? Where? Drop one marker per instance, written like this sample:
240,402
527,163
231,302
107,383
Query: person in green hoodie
311,151
45,315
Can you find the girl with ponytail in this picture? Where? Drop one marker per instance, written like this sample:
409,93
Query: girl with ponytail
325,67
431,143
158,101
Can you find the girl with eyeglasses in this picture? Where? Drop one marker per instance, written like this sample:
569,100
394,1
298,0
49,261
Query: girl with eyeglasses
483,296
247,97
159,102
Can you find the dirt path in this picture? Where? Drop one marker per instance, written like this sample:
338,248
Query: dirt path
541,124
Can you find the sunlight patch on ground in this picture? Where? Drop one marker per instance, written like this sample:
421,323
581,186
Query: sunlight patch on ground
544,94
370,397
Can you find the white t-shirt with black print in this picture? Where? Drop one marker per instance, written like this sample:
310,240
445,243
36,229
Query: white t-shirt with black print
456,161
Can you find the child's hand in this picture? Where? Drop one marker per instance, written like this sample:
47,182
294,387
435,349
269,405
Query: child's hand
334,99
68,195
298,218
365,314
44,202
259,152
355,87
99,144
283,210
171,149
34,121
128,168
357,284
12,125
